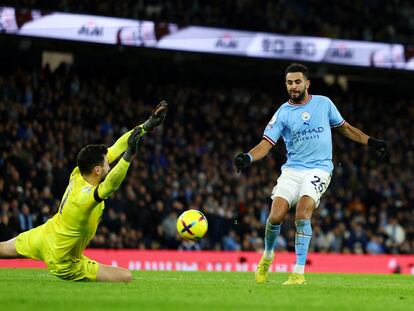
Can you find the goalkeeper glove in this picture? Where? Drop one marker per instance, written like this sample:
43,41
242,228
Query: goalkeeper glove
379,146
242,160
157,116
133,142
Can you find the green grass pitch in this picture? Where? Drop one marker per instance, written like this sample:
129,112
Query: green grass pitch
36,289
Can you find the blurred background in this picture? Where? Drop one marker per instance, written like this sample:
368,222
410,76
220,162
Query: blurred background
56,96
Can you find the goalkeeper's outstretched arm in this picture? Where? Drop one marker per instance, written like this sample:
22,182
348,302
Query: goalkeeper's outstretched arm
156,118
120,146
115,177
112,181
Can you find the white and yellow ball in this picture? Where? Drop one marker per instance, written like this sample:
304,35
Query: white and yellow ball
192,225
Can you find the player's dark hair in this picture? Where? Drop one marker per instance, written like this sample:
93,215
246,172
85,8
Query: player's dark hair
296,67
91,156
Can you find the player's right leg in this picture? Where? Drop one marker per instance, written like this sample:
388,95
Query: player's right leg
8,249
113,274
280,208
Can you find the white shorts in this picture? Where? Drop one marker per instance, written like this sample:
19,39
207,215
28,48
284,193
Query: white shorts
292,184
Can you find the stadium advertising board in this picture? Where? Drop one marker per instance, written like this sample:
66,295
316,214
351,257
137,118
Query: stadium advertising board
121,31
237,261
108,30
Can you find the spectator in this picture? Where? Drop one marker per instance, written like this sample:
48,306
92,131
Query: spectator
375,245
169,229
185,245
25,219
6,232
395,235
231,242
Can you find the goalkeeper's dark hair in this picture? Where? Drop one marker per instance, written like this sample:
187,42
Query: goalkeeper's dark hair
296,67
91,156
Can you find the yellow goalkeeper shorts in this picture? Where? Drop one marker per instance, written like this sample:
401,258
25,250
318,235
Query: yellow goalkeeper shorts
31,244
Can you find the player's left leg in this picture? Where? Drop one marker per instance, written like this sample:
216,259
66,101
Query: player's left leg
313,187
304,209
8,249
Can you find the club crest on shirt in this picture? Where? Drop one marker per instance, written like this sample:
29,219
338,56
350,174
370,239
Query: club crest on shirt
87,189
305,116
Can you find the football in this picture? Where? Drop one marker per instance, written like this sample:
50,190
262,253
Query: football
192,225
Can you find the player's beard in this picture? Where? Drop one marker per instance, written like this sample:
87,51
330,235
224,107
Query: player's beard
103,176
298,98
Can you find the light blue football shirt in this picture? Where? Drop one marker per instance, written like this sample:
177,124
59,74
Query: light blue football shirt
306,131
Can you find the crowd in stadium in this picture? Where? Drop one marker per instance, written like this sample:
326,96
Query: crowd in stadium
47,117
316,17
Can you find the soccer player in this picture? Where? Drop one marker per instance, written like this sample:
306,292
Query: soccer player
305,123
60,242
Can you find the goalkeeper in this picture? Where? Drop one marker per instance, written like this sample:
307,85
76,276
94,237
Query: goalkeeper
60,242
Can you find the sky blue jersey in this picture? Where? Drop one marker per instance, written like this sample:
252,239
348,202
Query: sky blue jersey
306,131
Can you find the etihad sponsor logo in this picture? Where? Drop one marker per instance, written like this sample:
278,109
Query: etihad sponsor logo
307,134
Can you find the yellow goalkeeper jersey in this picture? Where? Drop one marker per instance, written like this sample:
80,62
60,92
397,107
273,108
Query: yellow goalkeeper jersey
72,228
67,234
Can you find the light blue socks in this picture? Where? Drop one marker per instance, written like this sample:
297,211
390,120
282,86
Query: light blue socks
271,234
302,240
